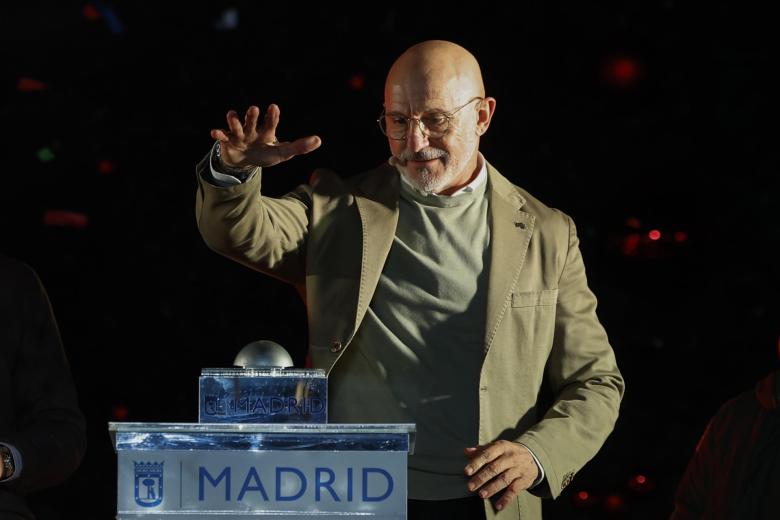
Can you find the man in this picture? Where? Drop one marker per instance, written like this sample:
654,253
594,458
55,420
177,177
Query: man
42,431
735,471
437,292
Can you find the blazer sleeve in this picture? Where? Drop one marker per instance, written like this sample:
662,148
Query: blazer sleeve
586,383
48,429
264,233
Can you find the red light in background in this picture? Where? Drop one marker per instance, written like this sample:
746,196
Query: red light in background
57,218
30,85
119,412
90,12
105,167
633,223
614,503
583,499
631,244
654,234
641,483
621,72
357,81
680,236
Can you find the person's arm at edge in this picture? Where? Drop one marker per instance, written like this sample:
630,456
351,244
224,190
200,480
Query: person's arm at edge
51,434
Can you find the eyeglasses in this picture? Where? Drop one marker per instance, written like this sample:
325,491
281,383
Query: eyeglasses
433,124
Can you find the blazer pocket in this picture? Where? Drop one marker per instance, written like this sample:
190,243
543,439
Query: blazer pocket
547,297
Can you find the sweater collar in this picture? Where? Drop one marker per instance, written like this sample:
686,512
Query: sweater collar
471,187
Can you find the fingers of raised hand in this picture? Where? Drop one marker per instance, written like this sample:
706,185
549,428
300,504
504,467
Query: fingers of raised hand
250,122
219,135
305,145
234,124
298,147
253,143
267,131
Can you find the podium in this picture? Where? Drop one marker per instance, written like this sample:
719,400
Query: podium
262,448
281,470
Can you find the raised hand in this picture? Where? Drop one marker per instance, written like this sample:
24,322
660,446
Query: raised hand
247,145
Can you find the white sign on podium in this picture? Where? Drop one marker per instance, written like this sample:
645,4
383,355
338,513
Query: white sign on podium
290,471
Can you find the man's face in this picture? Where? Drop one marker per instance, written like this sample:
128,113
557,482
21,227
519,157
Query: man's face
434,164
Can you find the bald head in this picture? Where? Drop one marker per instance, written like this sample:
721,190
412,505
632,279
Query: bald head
435,145
434,71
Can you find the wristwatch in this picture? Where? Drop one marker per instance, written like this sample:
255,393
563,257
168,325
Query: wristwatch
8,462
221,167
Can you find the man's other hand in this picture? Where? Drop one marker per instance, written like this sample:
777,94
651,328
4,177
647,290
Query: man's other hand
500,465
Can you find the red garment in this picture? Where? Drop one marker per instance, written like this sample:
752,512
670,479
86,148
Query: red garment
735,471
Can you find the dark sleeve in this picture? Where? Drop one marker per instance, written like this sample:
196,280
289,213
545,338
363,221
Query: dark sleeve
44,422
696,483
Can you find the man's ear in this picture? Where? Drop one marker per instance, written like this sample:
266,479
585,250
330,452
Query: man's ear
485,111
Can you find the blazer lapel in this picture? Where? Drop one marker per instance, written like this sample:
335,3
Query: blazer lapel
510,233
377,203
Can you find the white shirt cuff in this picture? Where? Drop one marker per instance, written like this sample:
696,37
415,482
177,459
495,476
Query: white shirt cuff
222,180
540,477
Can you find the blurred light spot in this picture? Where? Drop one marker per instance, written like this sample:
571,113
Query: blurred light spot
583,499
90,12
614,503
654,234
30,85
45,155
621,72
641,483
680,236
105,167
59,218
633,223
228,20
357,81
119,412
110,17
631,244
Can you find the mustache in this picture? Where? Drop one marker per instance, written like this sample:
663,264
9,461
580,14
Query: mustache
426,154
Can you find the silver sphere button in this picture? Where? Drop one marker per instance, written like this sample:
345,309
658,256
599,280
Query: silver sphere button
263,354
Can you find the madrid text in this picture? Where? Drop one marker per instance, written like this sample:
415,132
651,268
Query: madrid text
286,484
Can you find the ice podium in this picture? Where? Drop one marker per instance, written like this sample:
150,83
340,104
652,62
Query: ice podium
262,447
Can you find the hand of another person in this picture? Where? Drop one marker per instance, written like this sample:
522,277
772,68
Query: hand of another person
500,465
248,145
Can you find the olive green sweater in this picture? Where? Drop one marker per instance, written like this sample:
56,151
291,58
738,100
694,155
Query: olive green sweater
423,333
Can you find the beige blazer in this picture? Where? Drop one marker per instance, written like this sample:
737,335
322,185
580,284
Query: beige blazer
330,239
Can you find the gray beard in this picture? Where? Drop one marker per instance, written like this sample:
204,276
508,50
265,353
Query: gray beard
426,182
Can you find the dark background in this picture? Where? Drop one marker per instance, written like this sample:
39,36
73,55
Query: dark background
630,116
